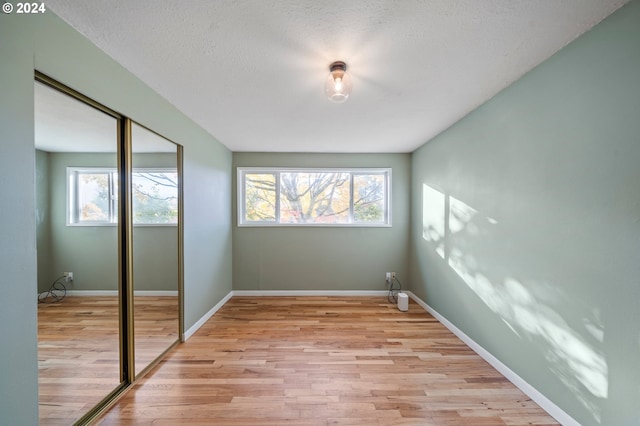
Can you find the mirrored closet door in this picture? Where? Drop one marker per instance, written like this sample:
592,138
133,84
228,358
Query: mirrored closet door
78,318
109,252
155,245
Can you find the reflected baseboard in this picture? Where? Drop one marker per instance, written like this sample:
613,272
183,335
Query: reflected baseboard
115,293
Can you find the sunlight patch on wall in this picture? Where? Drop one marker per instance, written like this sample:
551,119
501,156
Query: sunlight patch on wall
460,216
455,230
572,358
444,215
595,330
433,217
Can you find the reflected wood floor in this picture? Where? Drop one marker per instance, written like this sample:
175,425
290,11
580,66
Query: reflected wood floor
79,352
323,361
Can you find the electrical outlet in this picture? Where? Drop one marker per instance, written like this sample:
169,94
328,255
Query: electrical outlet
388,277
393,276
68,276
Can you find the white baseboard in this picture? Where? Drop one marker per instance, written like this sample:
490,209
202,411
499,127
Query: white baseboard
545,403
266,293
115,293
84,293
195,327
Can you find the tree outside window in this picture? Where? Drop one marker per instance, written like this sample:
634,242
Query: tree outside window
93,196
314,197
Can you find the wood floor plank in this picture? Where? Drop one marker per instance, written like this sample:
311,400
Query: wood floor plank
323,361
78,350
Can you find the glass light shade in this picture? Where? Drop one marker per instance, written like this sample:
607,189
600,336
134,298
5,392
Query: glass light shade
338,84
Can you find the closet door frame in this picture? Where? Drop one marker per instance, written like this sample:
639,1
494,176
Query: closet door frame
125,251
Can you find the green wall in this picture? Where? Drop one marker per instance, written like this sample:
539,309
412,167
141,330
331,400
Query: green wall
311,258
526,224
91,252
43,221
45,43
18,351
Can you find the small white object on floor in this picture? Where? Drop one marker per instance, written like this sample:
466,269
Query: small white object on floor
403,302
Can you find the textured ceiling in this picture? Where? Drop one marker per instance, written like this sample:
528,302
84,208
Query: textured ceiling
251,72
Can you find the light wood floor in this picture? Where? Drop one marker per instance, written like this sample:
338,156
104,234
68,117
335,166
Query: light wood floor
320,361
78,350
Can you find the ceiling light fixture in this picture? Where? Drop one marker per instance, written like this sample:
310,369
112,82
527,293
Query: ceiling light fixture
338,84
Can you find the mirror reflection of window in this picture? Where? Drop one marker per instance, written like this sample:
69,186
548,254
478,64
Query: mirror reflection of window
155,196
93,196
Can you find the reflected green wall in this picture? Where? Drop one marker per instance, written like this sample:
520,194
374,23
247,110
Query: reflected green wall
91,252
308,258
43,221
526,224
44,42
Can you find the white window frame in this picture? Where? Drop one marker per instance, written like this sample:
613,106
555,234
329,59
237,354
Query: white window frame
72,214
241,200
72,197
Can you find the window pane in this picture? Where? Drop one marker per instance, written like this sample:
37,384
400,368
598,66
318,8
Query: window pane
369,198
299,197
260,197
314,197
93,197
155,197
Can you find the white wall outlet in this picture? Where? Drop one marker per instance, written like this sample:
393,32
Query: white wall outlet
388,277
68,276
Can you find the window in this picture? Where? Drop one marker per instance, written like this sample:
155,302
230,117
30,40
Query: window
93,196
313,197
